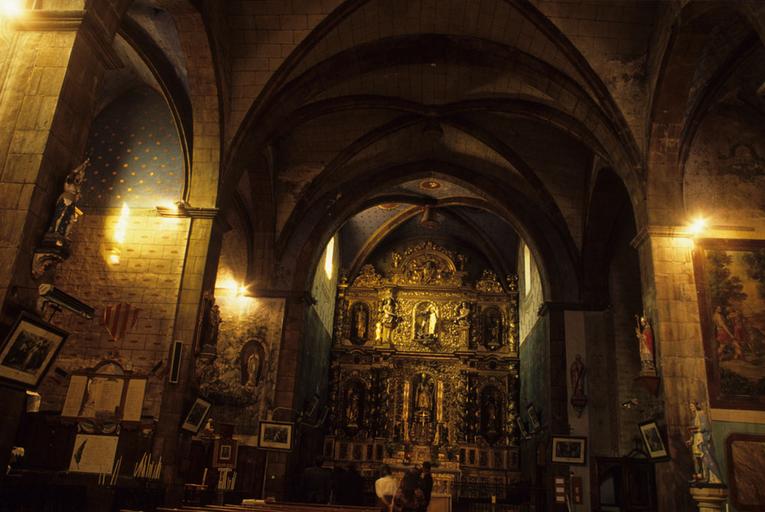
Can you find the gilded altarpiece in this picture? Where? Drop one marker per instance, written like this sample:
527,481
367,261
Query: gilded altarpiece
425,367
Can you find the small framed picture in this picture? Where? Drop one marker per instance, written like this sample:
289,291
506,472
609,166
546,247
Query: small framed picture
569,450
225,453
29,349
654,443
275,435
196,416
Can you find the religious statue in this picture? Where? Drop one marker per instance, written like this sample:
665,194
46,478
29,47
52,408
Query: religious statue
492,329
491,416
360,323
211,321
352,413
463,315
577,373
388,319
209,430
644,334
66,213
425,321
705,467
424,400
461,259
250,361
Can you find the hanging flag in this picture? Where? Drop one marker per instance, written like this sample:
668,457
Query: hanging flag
119,318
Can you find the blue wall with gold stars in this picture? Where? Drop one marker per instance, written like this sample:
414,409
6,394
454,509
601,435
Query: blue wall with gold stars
136,156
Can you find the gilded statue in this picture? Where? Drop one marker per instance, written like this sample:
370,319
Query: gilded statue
424,400
426,321
463,315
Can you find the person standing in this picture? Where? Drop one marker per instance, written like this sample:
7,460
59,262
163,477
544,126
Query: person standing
409,496
317,482
426,485
385,488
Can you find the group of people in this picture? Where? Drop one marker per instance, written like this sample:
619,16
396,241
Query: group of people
412,494
345,486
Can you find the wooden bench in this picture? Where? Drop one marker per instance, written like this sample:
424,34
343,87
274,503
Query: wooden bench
270,507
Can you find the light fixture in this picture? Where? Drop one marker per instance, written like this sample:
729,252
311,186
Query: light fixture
697,226
430,185
11,8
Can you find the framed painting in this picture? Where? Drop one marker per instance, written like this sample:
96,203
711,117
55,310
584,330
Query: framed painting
654,442
275,435
196,415
730,280
225,453
746,470
569,450
29,349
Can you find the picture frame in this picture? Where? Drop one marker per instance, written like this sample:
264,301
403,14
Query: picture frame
29,349
93,453
731,306
569,450
746,470
196,416
275,435
654,441
225,451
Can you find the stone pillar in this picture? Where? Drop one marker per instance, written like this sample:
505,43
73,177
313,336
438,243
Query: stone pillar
669,298
709,499
198,274
53,66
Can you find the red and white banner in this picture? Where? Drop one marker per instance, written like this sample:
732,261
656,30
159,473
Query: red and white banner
119,318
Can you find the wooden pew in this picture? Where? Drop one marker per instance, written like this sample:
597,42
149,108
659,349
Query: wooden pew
270,507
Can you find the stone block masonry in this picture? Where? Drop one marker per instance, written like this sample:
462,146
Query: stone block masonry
148,276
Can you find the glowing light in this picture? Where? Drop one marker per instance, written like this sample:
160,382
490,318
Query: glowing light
11,8
698,226
329,258
169,205
241,291
120,230
114,259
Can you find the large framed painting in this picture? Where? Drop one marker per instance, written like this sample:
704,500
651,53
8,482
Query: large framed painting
730,279
29,349
746,470
275,435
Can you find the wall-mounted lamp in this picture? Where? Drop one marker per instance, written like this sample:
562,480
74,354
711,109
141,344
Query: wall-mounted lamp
697,226
182,209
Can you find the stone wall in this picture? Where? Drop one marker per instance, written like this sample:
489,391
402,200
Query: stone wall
531,293
147,277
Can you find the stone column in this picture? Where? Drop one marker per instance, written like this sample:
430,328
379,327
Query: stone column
669,298
709,499
198,274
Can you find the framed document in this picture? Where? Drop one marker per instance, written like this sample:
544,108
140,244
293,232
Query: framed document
29,349
93,453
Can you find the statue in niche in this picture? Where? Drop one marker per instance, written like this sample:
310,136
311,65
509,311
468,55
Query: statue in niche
705,467
251,362
359,323
208,333
387,320
66,213
492,334
353,410
424,398
644,335
491,414
463,315
425,321
461,260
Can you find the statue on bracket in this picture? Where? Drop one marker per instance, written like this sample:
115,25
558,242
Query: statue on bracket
210,325
55,243
388,320
644,334
463,315
706,471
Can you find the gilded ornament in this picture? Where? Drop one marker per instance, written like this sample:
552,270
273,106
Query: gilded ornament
488,283
368,277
